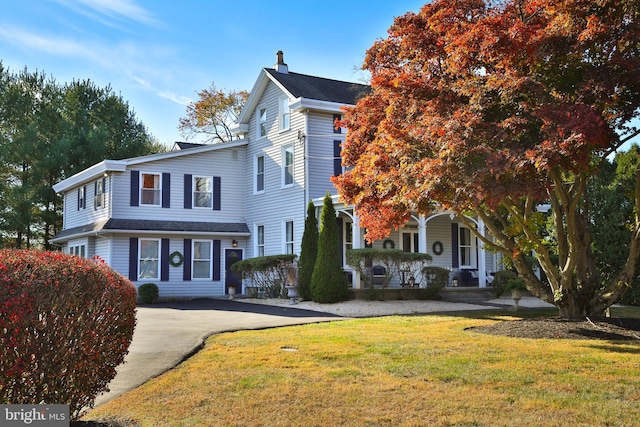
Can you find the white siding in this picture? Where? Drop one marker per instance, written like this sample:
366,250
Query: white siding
74,217
275,203
223,163
320,146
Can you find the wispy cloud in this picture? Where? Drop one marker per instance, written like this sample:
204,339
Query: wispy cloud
111,12
180,100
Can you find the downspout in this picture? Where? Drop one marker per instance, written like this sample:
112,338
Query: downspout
305,141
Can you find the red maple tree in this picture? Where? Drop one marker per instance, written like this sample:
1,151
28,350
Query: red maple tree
494,108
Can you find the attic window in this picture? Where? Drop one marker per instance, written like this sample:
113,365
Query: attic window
284,113
262,122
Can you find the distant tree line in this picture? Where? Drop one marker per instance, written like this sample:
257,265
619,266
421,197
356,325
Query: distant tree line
51,131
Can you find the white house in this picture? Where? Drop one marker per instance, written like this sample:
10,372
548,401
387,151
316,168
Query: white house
180,219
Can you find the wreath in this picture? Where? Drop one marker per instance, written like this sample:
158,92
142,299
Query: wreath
176,259
388,244
437,248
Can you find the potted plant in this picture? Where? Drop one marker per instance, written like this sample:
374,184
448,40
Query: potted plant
516,286
291,275
231,289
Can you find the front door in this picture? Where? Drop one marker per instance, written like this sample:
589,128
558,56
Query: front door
231,256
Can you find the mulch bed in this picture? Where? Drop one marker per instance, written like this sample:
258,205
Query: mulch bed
609,329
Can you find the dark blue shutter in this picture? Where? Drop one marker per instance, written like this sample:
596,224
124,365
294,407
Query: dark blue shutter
216,259
186,265
217,199
337,160
133,258
164,260
455,263
188,182
135,188
166,190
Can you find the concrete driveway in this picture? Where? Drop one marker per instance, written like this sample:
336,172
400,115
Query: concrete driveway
167,333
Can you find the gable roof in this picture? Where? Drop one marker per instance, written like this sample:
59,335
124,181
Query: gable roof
306,92
319,88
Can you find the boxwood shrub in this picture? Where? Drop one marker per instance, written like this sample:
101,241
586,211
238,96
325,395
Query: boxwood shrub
65,325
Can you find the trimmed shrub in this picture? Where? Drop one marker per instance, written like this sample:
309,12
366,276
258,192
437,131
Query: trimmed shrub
267,272
65,325
395,261
148,293
501,281
437,279
328,281
308,253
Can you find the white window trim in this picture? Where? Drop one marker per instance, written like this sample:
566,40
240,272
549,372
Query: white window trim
281,112
255,174
257,244
140,259
285,148
286,242
258,122
82,197
79,249
99,196
142,174
193,193
193,259
473,259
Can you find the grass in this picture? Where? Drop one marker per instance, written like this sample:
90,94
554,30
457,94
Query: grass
392,371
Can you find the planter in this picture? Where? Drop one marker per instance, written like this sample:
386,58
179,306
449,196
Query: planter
232,291
292,293
516,294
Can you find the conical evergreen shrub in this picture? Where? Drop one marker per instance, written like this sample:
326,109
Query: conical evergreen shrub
328,282
308,253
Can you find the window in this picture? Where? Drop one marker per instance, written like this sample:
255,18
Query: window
260,240
467,248
284,114
149,259
202,192
337,158
410,241
82,194
336,129
202,259
78,250
262,122
287,165
259,168
98,197
288,237
150,193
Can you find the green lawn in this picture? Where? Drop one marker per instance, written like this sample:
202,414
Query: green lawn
392,371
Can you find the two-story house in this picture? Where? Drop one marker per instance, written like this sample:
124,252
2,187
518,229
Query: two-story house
181,218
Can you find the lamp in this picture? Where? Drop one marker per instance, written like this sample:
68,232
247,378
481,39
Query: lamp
234,243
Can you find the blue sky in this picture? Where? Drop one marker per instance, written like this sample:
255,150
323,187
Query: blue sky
157,53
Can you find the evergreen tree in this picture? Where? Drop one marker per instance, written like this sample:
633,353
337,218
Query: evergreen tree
328,282
308,253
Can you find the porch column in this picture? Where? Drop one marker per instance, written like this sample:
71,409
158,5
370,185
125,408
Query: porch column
356,236
422,234
482,260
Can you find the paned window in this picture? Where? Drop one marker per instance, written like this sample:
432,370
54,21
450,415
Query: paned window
260,240
288,237
78,250
202,259
150,193
467,248
262,122
202,192
98,197
285,114
287,165
82,194
259,174
149,259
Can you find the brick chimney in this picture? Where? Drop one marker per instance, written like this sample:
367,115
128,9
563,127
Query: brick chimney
280,66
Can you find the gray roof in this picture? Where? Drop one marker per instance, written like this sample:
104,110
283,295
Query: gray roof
311,87
116,224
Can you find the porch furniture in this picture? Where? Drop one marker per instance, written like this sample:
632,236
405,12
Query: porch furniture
466,277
